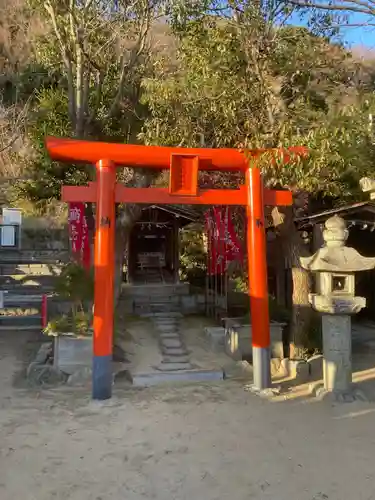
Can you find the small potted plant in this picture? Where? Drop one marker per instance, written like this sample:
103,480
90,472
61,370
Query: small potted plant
72,331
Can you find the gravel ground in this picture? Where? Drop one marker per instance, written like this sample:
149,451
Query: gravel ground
206,442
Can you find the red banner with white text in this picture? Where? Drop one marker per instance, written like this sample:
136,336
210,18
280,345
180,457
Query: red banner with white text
223,243
79,234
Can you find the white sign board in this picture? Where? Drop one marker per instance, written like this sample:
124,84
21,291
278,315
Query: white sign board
12,216
8,236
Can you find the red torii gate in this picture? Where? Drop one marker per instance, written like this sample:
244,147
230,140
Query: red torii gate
183,164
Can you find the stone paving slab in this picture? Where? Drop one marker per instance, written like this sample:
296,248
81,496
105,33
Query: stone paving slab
170,367
150,379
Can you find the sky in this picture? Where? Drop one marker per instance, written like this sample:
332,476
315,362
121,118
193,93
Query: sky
358,35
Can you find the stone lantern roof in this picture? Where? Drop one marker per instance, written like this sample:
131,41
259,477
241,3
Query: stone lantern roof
334,256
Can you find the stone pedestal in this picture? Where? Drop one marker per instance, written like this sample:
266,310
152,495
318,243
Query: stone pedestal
337,348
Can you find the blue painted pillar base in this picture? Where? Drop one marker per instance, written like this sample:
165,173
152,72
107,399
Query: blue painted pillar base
102,378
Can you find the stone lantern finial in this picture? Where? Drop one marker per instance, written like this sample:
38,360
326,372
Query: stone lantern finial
335,256
335,234
368,186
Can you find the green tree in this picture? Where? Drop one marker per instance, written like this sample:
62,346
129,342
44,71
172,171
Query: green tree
243,78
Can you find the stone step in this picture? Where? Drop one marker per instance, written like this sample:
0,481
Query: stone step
25,291
150,309
19,311
173,367
29,269
33,256
31,320
17,300
155,290
19,328
27,280
160,377
156,300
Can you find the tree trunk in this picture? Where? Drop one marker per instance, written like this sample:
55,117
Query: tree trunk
300,323
301,313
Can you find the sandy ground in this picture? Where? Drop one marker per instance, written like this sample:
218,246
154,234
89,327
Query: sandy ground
187,442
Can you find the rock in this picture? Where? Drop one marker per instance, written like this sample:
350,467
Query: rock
80,377
45,351
123,375
39,374
119,354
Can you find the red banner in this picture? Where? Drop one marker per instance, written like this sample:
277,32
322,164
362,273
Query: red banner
79,234
223,243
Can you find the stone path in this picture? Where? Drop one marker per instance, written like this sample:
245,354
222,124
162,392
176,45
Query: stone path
175,355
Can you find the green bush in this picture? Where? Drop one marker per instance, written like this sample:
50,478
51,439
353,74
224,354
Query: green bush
76,285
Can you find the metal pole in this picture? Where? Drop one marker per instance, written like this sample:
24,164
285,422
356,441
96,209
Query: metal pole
216,253
207,280
104,281
226,261
257,267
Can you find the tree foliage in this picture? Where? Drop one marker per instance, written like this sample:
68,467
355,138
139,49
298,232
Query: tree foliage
276,85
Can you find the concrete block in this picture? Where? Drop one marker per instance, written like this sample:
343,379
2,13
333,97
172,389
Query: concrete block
238,340
72,353
315,364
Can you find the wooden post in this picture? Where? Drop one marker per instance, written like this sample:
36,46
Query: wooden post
258,290
104,280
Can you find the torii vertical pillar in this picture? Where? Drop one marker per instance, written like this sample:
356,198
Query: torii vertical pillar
104,262
257,269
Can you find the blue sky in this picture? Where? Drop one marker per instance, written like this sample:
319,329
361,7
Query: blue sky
361,35
358,35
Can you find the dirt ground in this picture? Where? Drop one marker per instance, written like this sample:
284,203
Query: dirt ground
206,442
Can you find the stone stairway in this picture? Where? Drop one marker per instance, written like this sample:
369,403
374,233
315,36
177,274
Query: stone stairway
175,355
154,297
25,276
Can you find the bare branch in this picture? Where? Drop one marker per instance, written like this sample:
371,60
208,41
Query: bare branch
66,57
358,6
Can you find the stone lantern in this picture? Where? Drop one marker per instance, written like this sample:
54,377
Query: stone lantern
334,266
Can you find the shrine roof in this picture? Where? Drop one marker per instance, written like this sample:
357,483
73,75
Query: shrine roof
189,214
362,212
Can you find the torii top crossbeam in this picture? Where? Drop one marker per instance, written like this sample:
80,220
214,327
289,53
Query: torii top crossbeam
157,157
